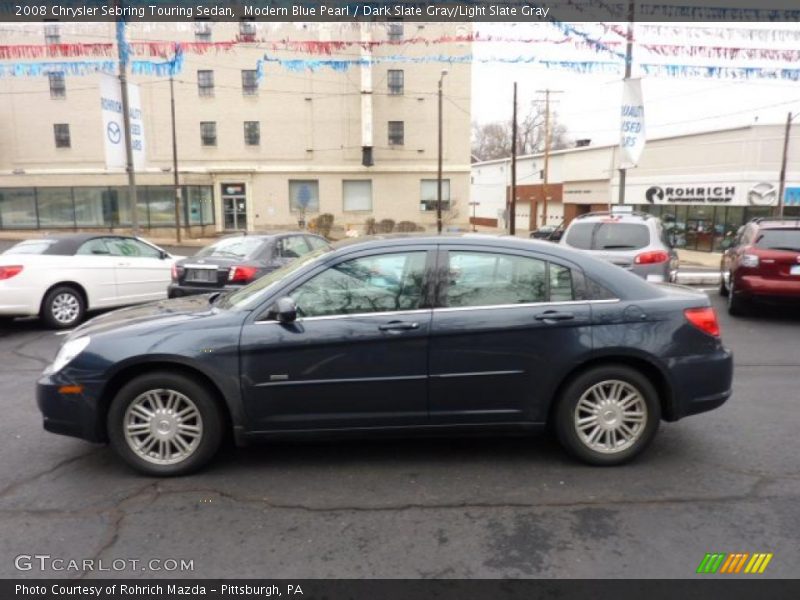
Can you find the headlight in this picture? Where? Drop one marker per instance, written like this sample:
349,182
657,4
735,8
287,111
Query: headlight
67,352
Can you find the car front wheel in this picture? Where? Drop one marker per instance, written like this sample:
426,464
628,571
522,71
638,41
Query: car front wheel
164,424
607,415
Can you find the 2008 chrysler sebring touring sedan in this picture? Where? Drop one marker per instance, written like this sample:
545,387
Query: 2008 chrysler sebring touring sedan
396,335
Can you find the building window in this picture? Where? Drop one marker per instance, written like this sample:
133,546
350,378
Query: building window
52,33
208,133
396,81
55,207
394,31
249,82
357,195
58,87
202,31
247,31
303,195
61,131
252,133
428,194
396,133
205,83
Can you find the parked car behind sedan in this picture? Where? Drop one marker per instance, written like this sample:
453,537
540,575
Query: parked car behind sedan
61,278
433,334
762,264
636,242
237,260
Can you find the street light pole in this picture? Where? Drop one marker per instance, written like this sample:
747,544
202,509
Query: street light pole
126,122
439,165
175,161
628,64
782,184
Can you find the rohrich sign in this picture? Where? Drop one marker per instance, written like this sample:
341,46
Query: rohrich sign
738,193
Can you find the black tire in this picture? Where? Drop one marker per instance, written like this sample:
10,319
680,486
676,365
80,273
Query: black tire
53,311
211,422
723,288
565,414
737,306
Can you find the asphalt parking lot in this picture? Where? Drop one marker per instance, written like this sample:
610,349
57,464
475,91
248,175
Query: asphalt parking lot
725,481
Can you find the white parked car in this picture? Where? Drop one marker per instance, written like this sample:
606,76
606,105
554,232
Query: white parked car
62,277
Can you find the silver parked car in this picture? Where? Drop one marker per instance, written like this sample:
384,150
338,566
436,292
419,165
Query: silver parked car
637,242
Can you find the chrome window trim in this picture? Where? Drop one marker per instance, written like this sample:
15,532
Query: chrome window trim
523,305
442,309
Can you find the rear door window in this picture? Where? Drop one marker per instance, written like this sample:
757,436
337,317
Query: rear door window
293,246
779,239
30,247
608,236
489,279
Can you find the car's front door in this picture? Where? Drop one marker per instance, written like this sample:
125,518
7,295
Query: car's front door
98,268
504,326
357,355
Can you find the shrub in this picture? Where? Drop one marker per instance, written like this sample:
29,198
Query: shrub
371,227
386,226
407,226
324,223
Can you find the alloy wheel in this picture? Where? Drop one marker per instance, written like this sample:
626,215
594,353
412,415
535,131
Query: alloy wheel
610,416
65,308
163,426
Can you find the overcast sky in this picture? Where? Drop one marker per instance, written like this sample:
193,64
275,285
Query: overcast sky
590,103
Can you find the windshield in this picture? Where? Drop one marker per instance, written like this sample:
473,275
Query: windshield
779,239
31,247
250,295
238,247
608,236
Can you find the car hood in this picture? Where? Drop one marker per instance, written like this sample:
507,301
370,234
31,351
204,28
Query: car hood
154,315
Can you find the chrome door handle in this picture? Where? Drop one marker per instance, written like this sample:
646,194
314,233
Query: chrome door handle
553,316
398,326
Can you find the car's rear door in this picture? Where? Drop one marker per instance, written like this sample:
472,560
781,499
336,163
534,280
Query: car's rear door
506,322
97,268
142,273
357,356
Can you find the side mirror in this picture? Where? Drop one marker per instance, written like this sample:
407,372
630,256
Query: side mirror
163,254
284,310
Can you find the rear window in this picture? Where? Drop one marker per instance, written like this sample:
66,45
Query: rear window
608,236
239,247
779,239
30,247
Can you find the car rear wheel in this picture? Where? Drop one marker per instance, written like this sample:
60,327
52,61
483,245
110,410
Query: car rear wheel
737,306
63,307
164,424
723,284
607,415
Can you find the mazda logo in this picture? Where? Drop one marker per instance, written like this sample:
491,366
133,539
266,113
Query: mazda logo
762,194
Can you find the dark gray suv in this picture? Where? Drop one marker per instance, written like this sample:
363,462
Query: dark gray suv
637,242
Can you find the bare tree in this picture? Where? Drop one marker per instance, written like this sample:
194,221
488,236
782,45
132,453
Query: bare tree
493,140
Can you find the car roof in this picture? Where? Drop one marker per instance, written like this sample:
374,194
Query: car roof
777,223
608,217
67,244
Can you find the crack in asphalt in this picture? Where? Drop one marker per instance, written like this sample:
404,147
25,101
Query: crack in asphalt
12,487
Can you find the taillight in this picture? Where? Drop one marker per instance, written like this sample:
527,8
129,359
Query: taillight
176,272
705,319
9,271
652,257
749,260
240,274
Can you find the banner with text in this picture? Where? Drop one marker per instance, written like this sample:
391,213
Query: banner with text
114,127
632,134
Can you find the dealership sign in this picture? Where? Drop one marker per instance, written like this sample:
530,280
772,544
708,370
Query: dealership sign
114,127
631,141
724,193
791,196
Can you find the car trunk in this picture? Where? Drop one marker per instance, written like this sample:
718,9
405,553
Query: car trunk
211,272
779,264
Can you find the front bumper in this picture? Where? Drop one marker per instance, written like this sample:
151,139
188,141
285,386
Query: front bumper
73,414
700,383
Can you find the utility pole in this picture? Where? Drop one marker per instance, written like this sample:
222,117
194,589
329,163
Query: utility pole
628,63
512,204
546,170
175,160
782,184
439,165
546,155
122,52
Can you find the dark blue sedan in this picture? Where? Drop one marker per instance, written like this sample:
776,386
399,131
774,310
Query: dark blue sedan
399,334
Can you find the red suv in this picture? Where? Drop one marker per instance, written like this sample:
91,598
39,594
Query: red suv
762,263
